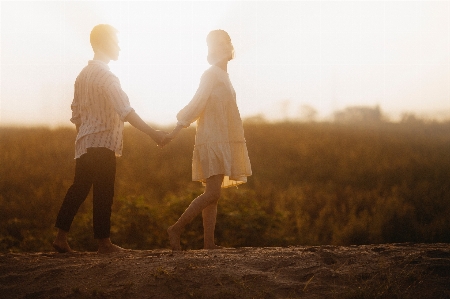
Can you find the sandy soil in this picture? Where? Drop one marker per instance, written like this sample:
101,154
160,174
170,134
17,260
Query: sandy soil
368,271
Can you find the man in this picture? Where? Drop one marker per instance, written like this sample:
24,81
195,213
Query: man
99,109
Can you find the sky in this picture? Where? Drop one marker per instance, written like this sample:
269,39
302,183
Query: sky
290,57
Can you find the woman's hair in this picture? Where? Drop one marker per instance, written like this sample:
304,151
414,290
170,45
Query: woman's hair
219,46
102,35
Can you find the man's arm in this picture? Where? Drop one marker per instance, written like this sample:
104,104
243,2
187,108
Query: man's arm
136,121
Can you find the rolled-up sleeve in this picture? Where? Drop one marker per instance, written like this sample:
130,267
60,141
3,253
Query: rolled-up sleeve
192,111
119,98
76,117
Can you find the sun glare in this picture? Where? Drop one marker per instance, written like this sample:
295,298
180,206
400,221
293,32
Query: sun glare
327,55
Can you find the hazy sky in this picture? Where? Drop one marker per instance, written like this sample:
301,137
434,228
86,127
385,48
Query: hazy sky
325,54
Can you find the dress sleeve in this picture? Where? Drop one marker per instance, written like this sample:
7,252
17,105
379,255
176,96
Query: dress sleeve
76,117
192,111
118,98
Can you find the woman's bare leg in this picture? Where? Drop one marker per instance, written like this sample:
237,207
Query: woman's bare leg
209,197
209,215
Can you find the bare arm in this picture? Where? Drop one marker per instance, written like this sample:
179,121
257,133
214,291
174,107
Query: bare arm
175,132
136,121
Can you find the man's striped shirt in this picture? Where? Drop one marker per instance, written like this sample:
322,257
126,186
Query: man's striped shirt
99,108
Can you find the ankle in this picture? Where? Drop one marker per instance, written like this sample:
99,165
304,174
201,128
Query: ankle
209,245
174,230
61,236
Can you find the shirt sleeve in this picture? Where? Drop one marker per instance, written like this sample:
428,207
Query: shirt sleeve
192,111
76,117
118,98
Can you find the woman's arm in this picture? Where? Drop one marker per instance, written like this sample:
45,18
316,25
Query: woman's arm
194,108
174,132
192,111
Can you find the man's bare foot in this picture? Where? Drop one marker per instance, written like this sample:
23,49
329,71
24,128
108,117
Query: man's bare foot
214,246
60,243
174,239
62,247
105,246
110,248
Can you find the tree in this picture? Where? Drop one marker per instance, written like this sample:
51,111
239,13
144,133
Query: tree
359,114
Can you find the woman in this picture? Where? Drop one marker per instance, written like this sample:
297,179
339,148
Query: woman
220,157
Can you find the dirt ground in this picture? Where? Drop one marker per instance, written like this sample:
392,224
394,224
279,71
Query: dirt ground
367,271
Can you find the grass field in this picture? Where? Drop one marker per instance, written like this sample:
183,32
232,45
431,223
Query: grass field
312,184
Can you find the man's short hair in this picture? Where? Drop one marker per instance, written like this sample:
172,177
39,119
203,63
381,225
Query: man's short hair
102,35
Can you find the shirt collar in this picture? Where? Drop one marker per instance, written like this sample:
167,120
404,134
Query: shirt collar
99,62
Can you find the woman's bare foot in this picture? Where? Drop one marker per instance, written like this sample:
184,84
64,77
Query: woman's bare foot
174,239
61,247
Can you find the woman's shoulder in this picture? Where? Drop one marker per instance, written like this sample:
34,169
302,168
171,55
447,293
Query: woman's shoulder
208,78
209,73
215,73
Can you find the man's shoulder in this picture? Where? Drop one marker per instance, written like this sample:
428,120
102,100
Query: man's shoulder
98,73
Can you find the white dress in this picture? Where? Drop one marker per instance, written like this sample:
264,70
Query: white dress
220,146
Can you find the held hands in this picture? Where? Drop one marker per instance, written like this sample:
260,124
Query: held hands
161,138
169,137
166,140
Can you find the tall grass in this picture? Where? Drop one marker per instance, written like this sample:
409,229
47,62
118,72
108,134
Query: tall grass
313,183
